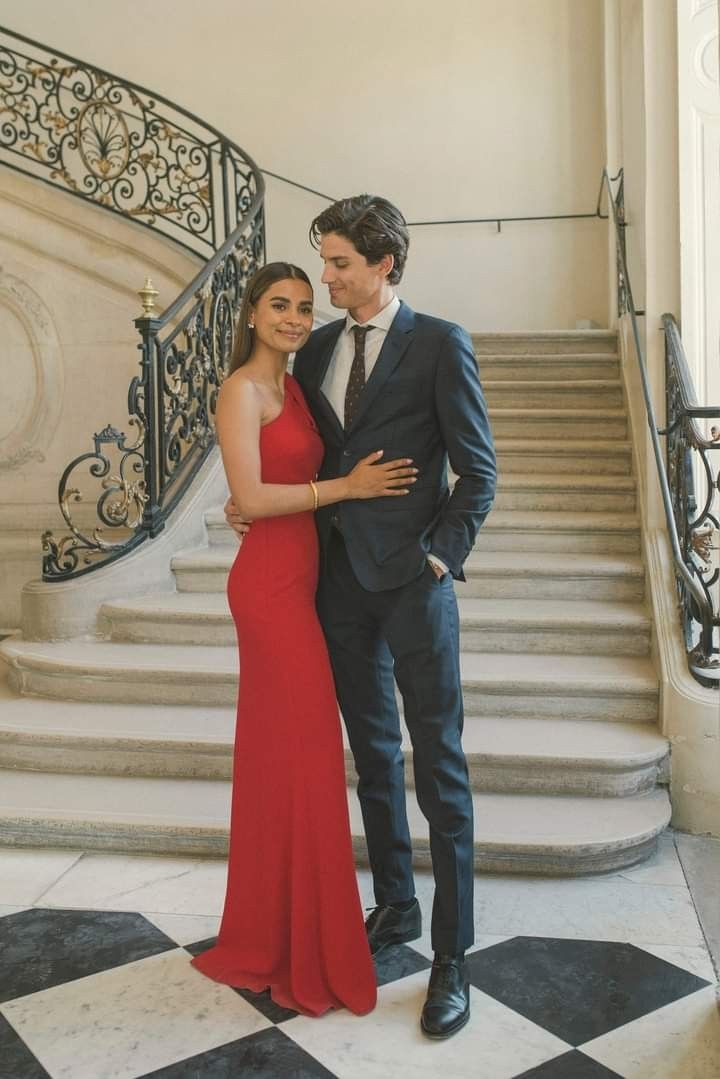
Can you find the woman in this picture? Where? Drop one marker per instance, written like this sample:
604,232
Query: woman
292,920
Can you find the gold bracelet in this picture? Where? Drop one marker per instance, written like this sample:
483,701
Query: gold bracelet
316,496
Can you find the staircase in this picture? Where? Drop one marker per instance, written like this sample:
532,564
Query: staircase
125,742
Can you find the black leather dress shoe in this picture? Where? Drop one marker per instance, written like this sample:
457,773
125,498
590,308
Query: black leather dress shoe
388,925
447,1007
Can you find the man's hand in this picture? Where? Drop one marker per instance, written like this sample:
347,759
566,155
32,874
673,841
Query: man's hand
233,518
439,571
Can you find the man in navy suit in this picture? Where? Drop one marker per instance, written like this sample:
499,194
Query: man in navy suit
386,378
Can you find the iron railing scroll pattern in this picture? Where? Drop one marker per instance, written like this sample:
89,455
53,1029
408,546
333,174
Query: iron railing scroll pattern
688,528
134,153
693,465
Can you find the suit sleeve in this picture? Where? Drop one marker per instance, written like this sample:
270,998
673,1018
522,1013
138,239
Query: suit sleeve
463,419
300,367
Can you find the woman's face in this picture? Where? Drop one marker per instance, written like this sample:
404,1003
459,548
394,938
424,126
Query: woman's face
283,316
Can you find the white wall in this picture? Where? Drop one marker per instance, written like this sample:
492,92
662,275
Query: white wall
645,68
68,350
466,108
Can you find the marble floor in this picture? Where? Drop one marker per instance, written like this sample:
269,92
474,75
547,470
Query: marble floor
571,979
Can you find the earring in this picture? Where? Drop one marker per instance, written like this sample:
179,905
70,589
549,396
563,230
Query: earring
251,325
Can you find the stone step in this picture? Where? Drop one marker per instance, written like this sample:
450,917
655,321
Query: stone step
599,457
555,342
558,423
513,832
565,492
554,626
550,575
521,754
549,366
492,574
488,625
556,393
524,532
579,687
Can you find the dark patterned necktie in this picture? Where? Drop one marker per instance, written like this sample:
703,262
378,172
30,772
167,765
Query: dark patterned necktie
356,381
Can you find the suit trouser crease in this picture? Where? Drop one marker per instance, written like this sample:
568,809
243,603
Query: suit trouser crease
419,622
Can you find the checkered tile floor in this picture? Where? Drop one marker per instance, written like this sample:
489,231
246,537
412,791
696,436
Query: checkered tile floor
103,994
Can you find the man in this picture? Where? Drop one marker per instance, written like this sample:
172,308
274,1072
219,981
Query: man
385,378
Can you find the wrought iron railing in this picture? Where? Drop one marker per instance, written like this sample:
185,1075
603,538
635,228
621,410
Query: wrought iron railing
690,521
115,144
693,464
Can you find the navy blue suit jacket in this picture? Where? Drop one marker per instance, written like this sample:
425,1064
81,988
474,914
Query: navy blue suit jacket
423,400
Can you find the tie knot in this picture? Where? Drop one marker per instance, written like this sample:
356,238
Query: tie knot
361,332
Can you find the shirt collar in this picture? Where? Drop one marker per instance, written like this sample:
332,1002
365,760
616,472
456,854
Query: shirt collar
383,320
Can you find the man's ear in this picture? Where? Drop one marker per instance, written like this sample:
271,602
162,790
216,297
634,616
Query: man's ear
387,263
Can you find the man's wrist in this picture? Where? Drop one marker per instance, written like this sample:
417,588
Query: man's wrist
438,566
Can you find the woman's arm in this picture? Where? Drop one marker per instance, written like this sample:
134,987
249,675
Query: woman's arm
238,420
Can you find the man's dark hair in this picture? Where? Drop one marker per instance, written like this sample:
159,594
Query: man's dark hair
372,224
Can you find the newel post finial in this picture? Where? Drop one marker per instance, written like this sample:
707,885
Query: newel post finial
148,294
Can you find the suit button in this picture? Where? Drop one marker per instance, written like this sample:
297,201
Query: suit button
346,453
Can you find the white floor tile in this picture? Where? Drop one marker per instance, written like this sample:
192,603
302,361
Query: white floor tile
585,909
496,1043
134,882
185,928
26,875
10,910
662,868
679,1041
131,1020
696,960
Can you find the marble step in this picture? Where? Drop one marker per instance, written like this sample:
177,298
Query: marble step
579,687
520,754
513,832
490,574
487,625
549,366
601,458
551,575
553,393
565,492
523,532
557,423
542,343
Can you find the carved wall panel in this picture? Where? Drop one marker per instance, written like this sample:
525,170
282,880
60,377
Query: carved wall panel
31,375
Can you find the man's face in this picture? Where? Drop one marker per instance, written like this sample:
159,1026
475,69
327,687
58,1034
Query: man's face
352,281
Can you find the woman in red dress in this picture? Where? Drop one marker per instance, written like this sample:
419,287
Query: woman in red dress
292,920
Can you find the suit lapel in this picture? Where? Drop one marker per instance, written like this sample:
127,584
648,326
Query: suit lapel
394,347
323,405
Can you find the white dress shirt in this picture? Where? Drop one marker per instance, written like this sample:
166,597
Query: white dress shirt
334,384
336,378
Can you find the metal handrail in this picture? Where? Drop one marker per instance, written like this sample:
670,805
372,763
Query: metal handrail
132,152
706,615
498,221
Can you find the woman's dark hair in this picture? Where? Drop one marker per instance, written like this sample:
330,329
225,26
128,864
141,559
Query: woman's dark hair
258,284
372,224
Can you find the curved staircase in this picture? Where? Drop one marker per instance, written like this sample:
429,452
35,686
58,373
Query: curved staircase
125,741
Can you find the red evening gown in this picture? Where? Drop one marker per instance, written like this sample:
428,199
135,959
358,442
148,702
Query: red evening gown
292,921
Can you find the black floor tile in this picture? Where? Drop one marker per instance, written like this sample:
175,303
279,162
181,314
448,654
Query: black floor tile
262,1001
397,962
265,1055
16,1060
572,1065
42,948
265,1004
200,946
578,989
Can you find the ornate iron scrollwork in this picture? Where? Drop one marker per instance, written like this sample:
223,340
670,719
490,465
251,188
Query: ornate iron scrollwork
693,468
132,152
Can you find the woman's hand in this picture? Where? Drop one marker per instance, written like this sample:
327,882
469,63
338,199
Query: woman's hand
370,479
